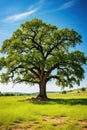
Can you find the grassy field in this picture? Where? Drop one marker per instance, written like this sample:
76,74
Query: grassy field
66,112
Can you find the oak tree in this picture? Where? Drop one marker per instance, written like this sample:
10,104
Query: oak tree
35,50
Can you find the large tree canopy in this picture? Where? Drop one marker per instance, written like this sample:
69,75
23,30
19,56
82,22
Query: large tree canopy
38,48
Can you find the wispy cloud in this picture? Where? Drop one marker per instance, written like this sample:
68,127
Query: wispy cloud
38,4
64,6
20,16
35,7
67,5
31,10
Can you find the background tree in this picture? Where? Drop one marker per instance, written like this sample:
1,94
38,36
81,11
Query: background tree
37,49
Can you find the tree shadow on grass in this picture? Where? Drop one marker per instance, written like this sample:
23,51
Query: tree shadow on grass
72,101
79,101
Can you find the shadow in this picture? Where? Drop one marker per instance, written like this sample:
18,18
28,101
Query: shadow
79,101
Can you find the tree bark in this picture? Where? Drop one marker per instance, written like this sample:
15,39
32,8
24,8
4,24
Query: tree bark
42,91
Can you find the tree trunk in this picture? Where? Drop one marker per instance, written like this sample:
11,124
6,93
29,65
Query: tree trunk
42,91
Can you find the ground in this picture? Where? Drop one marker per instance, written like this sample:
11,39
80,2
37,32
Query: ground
66,112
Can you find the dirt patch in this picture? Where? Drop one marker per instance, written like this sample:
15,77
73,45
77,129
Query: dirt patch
83,123
56,120
17,128
84,129
27,125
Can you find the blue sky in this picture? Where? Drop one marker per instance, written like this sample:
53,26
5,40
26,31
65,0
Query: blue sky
62,13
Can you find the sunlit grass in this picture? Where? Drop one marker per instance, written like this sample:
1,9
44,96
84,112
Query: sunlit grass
16,111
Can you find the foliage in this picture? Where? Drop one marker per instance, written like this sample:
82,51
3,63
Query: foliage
83,89
7,94
1,94
64,92
37,49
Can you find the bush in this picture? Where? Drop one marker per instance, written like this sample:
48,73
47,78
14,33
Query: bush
64,92
78,91
83,89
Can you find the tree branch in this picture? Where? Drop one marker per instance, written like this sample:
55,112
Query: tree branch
52,68
51,49
29,81
54,77
20,66
34,72
37,46
30,69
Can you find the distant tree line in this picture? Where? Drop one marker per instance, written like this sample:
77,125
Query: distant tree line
12,94
7,94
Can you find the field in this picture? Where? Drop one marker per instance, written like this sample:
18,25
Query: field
66,112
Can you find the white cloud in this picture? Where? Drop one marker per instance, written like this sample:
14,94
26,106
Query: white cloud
32,9
66,5
20,16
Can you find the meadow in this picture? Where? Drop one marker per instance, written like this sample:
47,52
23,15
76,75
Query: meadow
66,112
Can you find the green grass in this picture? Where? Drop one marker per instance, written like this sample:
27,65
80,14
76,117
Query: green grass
65,112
